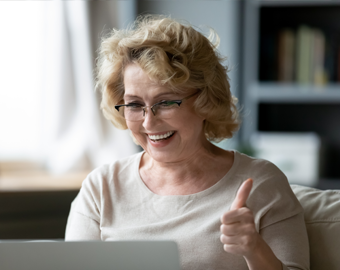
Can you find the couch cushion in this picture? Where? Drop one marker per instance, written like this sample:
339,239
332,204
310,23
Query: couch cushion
322,217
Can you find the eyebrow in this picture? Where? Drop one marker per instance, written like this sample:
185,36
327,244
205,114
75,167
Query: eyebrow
157,96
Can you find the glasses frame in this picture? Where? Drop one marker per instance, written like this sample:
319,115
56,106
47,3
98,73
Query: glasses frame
178,101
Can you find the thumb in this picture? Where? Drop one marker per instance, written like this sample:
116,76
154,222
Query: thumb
242,194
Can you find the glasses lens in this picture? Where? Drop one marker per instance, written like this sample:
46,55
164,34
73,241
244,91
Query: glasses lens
131,113
166,109
163,110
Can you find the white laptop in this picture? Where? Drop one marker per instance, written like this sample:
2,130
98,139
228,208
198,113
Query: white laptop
96,255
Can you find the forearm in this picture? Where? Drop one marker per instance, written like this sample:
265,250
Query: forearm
289,242
263,258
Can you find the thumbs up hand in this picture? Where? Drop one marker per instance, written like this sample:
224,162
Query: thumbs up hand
242,195
239,234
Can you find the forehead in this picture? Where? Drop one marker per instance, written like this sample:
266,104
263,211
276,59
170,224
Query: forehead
138,83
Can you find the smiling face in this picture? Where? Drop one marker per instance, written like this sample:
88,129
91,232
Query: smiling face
165,140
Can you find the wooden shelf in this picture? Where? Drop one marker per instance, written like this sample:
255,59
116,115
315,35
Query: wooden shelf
41,181
37,203
26,176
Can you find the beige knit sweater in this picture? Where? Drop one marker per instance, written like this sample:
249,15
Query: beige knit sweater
115,204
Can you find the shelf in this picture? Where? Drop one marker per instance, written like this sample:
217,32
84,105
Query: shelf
298,2
293,93
273,106
27,176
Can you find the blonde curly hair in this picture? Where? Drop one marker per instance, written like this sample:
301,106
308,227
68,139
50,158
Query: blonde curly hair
174,54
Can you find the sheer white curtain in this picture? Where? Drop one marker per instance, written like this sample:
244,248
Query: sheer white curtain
20,79
75,135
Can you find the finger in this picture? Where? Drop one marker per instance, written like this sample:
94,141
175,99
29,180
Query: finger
232,248
229,240
239,215
231,229
242,194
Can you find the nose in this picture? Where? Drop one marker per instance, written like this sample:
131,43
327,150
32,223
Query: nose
151,109
150,120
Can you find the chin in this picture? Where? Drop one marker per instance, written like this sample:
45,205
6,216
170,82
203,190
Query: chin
163,158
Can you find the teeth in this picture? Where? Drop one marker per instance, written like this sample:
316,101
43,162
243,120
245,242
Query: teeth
160,137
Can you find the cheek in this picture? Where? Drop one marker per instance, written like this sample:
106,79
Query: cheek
192,122
138,137
191,129
134,128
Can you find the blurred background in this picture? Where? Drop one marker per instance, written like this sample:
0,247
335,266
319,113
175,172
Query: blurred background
284,58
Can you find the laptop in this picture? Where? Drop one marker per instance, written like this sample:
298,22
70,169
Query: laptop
92,255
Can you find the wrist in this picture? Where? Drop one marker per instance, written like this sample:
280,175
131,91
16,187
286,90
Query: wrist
262,257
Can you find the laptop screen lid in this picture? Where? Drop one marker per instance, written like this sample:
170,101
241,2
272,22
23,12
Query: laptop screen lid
93,255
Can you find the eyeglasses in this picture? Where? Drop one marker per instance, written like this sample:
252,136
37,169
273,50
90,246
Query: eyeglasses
165,109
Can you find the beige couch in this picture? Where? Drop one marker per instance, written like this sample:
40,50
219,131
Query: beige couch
322,217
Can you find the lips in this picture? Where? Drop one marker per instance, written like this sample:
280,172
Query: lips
160,137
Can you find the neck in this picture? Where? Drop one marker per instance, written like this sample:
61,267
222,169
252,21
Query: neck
195,173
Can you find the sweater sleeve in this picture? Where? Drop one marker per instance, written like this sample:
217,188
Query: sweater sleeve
279,216
81,227
289,241
83,222
94,206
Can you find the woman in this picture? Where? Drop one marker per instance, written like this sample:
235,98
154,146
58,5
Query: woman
165,82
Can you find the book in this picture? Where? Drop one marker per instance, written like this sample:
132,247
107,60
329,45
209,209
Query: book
319,76
303,54
286,55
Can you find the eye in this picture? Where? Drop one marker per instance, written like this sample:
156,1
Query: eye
134,105
168,103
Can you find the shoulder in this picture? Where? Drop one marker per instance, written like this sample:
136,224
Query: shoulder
257,166
271,198
265,174
109,179
103,184
108,173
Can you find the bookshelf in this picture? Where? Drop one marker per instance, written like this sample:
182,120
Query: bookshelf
291,73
